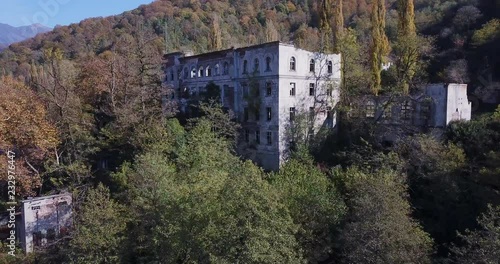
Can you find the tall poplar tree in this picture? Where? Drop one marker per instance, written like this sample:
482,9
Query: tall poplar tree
407,47
325,27
215,37
380,43
272,33
338,27
331,36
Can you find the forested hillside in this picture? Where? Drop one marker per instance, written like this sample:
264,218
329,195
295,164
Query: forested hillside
81,108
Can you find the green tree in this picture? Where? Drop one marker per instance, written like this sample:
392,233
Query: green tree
378,228
25,131
353,71
326,30
488,32
205,205
481,245
215,37
407,47
99,228
338,26
380,44
314,204
272,33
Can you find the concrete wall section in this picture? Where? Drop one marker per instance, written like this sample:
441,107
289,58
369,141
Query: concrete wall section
43,218
458,106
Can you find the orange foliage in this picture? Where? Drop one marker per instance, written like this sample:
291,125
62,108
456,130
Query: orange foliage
25,130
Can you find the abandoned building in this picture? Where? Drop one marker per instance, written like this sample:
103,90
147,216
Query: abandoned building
44,219
429,110
266,86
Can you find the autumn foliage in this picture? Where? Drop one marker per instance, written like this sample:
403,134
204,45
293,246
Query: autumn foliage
25,130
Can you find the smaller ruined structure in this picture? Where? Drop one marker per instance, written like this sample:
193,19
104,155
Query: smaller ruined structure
44,219
430,110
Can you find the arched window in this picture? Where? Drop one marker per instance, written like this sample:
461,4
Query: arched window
330,67
209,71
292,64
406,110
256,65
217,69
245,66
200,72
226,68
268,63
193,72
312,66
370,109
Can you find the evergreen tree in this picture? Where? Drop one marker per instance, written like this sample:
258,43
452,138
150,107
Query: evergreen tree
379,227
314,204
338,27
406,22
325,27
407,48
380,43
215,37
272,33
481,245
99,229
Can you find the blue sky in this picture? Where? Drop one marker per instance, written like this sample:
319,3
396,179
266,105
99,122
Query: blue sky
61,12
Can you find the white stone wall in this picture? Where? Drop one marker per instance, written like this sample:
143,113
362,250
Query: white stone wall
450,103
43,214
458,105
302,77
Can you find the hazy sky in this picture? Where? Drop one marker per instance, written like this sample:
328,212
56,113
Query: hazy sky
61,12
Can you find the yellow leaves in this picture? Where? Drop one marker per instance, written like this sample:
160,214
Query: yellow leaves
24,129
23,119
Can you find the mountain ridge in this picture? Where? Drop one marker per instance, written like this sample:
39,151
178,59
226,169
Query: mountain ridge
10,34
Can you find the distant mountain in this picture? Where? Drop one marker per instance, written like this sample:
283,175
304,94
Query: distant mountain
10,34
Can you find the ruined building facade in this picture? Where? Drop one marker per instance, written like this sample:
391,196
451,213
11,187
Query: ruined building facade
267,86
429,110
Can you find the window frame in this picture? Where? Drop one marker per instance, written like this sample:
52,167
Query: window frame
312,89
208,70
217,69
370,109
225,68
256,65
293,64
193,72
293,87
245,67
201,72
269,88
406,110
269,138
246,115
247,135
